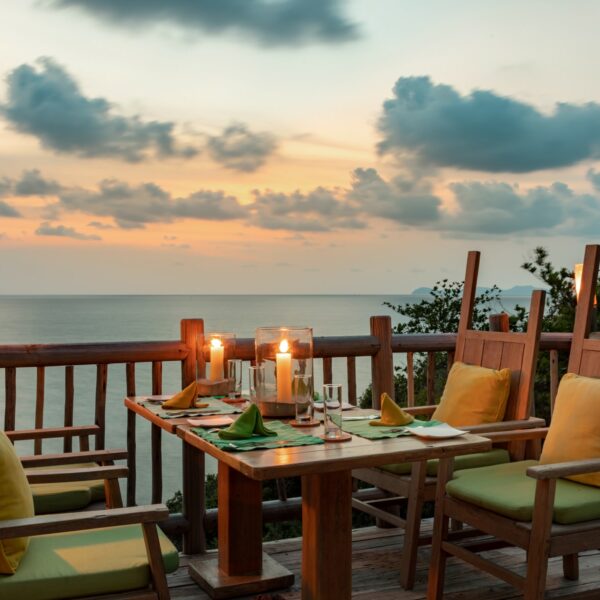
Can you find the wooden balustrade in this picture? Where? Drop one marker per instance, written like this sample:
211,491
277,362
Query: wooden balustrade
380,347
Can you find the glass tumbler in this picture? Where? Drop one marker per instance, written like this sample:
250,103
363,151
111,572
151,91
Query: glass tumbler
256,384
332,410
302,393
234,377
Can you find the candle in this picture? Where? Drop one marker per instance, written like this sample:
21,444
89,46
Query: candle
216,359
284,372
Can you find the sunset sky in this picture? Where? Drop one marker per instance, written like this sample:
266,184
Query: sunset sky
293,146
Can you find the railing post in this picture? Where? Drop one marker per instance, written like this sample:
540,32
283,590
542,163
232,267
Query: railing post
191,329
382,364
499,322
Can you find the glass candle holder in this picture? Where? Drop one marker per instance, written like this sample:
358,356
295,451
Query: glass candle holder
284,352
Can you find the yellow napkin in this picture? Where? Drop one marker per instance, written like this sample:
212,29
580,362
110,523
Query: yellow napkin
391,413
184,399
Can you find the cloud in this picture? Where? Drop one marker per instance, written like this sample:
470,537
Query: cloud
46,102
6,210
279,23
99,225
33,184
318,211
408,202
239,149
63,231
484,131
136,206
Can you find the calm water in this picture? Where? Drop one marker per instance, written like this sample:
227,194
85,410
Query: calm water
53,319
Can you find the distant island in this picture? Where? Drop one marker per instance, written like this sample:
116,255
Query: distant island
517,291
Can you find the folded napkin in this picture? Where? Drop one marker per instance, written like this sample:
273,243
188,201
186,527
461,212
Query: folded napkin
249,423
391,413
184,399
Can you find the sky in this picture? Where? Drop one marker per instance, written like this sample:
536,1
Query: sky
293,146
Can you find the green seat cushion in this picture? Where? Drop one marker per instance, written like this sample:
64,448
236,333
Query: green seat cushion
65,497
507,490
467,461
84,563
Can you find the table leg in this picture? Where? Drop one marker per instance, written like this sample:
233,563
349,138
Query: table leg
242,568
327,536
194,506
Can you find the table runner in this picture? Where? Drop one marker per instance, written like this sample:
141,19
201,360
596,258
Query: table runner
380,432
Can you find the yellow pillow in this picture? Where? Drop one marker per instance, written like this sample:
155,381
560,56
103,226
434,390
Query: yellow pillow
575,428
16,502
473,395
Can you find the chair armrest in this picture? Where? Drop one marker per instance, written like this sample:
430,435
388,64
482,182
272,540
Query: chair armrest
62,523
519,435
530,423
83,474
564,469
70,458
52,432
421,410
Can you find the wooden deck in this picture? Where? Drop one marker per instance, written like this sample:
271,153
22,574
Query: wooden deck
376,555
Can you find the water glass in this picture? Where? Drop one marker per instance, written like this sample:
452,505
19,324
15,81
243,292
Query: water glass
234,377
302,393
257,383
332,410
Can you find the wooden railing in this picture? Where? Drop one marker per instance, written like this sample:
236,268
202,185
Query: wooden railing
379,346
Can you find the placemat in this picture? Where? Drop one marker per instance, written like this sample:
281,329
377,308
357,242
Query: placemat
215,407
380,432
286,437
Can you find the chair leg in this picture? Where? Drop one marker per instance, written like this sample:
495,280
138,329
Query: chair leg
155,560
414,510
437,566
571,566
539,541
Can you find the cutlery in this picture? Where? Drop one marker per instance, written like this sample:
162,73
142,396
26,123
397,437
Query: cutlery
360,418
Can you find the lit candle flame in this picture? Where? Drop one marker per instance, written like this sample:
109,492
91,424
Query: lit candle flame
284,346
577,271
215,343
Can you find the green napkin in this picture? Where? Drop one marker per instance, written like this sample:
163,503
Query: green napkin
249,423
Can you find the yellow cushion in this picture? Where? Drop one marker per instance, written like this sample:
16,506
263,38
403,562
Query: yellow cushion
15,503
575,429
473,395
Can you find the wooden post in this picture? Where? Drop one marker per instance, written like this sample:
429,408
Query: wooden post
156,438
192,333
327,370
382,363
430,377
101,381
351,368
69,405
194,502
499,322
39,407
10,390
410,379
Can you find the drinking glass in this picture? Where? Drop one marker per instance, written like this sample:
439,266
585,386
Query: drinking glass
234,377
256,387
332,410
302,392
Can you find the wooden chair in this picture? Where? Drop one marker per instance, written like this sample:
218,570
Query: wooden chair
538,530
517,351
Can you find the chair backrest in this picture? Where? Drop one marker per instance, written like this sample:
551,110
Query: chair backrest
584,358
499,349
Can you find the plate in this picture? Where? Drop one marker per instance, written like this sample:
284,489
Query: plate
345,406
211,422
159,399
436,432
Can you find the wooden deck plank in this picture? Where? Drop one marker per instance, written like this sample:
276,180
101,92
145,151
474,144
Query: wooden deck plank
375,572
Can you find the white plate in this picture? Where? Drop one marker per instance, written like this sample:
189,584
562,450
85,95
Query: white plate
345,406
436,432
159,399
210,422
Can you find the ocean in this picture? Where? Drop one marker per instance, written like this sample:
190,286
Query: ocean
71,319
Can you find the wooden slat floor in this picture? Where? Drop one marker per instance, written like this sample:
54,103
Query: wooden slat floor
376,554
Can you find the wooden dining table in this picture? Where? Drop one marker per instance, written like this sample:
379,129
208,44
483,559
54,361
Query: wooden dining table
326,472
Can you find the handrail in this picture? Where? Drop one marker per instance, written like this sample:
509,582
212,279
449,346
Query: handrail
48,355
